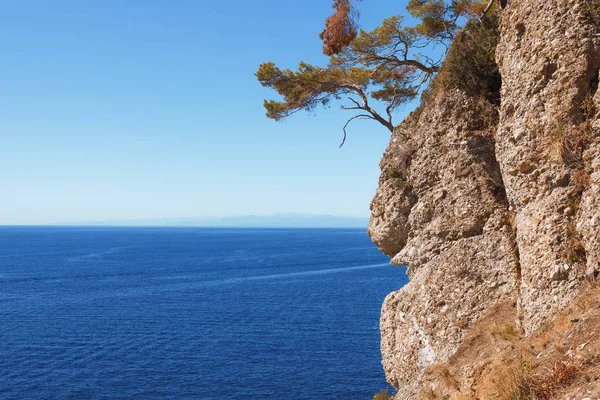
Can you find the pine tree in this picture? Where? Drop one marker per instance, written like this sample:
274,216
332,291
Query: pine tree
388,64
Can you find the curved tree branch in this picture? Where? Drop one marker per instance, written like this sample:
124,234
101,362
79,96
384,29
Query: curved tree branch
360,116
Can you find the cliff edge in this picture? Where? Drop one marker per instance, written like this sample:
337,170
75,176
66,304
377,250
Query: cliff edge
491,198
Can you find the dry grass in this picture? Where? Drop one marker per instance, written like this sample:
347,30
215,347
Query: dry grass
580,181
588,107
429,394
551,366
551,363
514,383
583,303
511,220
519,383
506,331
544,327
566,143
460,323
558,145
447,378
573,249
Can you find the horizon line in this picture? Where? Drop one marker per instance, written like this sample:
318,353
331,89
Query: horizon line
180,226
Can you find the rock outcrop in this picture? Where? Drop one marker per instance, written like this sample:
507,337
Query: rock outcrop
491,204
452,229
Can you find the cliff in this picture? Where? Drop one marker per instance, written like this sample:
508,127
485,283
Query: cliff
491,198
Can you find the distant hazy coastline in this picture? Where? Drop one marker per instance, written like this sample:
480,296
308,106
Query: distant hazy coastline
287,220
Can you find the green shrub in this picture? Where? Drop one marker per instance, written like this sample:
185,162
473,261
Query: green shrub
470,63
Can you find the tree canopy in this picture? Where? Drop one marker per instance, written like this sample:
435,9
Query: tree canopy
389,64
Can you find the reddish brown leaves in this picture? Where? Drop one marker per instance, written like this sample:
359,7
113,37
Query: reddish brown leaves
340,28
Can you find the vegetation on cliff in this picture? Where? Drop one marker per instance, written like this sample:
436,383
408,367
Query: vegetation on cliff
560,360
390,65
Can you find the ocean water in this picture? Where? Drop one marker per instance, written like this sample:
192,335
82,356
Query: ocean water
159,313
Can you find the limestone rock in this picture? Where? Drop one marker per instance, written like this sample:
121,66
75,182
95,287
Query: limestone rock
451,230
485,205
558,68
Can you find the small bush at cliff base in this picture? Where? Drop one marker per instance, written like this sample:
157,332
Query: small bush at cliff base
385,395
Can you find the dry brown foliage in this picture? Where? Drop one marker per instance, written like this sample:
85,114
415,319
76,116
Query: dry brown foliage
340,27
562,374
518,383
555,362
580,180
574,250
568,142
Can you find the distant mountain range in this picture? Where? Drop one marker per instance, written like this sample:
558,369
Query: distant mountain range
286,220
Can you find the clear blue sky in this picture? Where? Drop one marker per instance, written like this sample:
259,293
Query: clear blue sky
113,109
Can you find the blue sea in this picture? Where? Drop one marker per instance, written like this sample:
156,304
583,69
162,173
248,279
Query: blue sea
178,313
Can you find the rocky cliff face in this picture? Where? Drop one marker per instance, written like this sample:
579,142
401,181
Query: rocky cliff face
491,205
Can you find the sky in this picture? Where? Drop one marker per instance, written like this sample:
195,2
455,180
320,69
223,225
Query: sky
116,110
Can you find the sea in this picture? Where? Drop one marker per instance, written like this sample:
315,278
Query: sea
191,313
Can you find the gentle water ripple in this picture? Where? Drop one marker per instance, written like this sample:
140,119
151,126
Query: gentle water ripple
190,313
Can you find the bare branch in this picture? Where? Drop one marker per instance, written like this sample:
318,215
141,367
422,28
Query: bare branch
374,115
388,109
380,119
352,108
360,116
354,101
